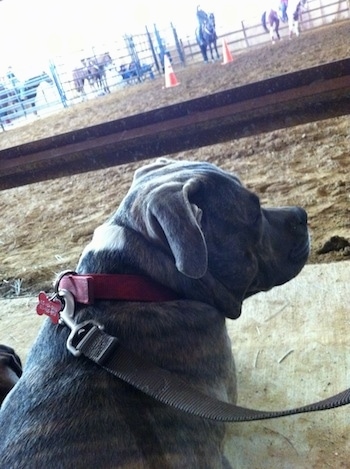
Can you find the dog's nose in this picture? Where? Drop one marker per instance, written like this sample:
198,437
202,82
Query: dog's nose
291,219
296,218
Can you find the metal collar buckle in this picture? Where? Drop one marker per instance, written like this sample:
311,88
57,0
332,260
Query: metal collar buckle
82,332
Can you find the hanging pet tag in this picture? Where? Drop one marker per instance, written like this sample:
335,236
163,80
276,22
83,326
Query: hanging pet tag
49,306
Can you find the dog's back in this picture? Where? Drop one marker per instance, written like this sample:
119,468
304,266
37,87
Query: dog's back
67,412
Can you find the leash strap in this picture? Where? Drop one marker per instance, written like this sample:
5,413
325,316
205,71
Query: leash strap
171,390
89,339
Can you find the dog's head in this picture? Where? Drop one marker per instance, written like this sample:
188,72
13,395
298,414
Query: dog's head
204,234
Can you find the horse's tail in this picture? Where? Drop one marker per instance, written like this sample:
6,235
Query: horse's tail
263,22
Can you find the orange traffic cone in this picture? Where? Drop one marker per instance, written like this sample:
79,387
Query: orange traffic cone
226,53
170,77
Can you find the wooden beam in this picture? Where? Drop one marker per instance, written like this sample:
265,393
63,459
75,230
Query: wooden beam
279,102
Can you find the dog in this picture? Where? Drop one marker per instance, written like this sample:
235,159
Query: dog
195,229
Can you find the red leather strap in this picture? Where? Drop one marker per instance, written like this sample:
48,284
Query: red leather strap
90,287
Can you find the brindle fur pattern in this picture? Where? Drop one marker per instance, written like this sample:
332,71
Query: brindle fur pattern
198,230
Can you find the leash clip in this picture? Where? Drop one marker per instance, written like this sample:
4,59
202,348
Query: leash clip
80,332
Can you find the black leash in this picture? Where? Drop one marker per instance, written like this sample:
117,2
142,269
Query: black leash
90,340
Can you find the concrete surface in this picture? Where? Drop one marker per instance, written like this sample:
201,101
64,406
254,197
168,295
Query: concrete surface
291,347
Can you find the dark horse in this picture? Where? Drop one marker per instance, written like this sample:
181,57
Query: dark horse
93,71
30,88
271,18
206,36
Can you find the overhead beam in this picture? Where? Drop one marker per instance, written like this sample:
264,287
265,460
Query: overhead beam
279,102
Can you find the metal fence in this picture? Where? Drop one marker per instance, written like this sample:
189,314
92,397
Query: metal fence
130,61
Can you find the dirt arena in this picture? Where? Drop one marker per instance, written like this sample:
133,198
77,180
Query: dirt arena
46,225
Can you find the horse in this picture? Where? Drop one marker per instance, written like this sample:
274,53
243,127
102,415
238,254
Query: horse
93,71
295,9
30,88
206,36
273,22
288,11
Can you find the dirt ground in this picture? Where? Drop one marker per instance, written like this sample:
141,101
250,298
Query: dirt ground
45,226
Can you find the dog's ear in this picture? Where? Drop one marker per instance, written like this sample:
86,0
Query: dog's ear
170,209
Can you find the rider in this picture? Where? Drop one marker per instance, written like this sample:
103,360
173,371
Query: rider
283,10
202,17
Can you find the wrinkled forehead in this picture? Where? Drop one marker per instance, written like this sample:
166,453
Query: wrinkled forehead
165,170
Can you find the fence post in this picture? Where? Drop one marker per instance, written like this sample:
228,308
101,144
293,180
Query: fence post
58,84
161,47
133,54
179,47
155,58
244,34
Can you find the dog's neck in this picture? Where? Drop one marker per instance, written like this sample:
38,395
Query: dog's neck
113,250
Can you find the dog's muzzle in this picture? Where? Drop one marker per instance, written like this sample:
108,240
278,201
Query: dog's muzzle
287,229
297,226
284,247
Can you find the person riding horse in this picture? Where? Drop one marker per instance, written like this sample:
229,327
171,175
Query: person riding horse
206,34
204,19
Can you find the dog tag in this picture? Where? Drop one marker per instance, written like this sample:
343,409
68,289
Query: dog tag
49,306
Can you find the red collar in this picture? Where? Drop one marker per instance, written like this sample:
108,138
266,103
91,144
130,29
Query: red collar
90,287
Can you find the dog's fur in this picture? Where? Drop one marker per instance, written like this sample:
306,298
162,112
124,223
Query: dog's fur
194,228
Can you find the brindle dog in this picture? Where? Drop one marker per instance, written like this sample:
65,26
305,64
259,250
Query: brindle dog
196,229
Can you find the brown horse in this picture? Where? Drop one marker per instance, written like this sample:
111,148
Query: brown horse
93,71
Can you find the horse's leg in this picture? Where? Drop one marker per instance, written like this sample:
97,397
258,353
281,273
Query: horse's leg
291,26
216,50
277,28
203,48
82,89
105,84
296,27
211,52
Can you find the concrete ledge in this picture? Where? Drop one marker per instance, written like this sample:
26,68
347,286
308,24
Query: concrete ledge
292,347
